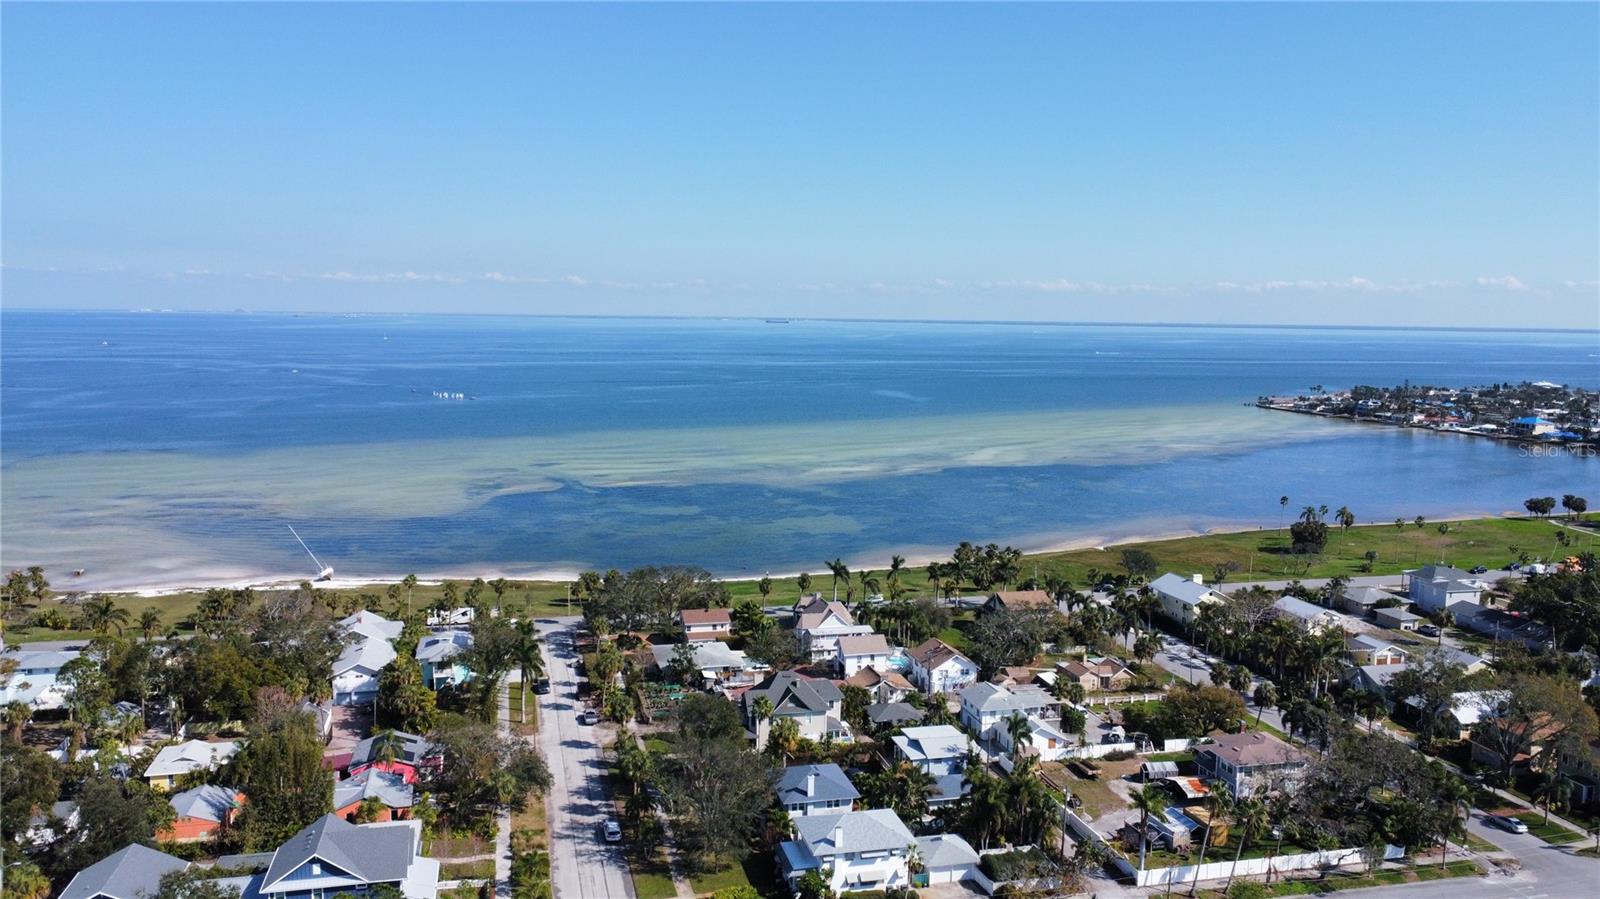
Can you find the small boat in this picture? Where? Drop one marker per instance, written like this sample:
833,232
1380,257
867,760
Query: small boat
77,572
325,572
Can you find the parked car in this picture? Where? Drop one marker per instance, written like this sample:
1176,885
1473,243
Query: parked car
542,686
588,717
1508,824
1514,566
1428,630
611,831
1478,569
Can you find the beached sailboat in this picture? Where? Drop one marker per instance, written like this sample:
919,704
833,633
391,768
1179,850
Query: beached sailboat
324,572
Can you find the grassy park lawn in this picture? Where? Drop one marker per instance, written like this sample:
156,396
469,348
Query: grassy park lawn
1260,555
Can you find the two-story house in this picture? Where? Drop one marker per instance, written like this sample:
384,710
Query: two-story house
854,851
332,856
858,651
938,667
941,750
366,624
439,657
705,624
131,872
179,759
820,625
1364,649
1436,588
986,706
718,664
815,705
1250,762
356,670
883,686
815,790
1096,675
1181,598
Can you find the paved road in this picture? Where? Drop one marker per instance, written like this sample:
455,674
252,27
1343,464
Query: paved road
581,865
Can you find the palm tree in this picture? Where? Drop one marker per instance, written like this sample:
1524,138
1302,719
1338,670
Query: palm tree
409,582
1220,804
101,614
1283,503
149,622
1459,796
783,736
1249,820
529,653
1266,697
839,570
1149,801
1018,733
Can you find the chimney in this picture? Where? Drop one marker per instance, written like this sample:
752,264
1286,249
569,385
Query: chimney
838,835
811,782
1200,579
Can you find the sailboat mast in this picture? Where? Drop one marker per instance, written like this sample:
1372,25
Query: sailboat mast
303,546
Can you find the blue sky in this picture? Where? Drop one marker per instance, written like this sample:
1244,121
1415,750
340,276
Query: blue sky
1368,164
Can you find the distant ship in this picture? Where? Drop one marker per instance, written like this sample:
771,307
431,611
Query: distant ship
777,321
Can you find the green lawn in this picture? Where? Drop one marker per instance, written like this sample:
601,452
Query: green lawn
1551,833
1259,555
514,701
652,877
756,870
479,870
1338,882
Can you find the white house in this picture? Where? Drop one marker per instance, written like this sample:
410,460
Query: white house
1398,618
719,665
173,762
1435,588
984,706
1181,598
1250,762
1309,617
36,680
705,624
1046,740
820,626
371,625
947,858
816,790
332,856
854,851
938,667
858,651
355,672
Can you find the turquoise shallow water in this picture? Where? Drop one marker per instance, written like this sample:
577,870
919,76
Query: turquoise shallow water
153,448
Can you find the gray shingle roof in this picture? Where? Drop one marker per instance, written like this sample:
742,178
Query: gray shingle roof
1182,589
409,749
827,783
373,853
390,789
936,741
124,874
794,695
875,830
945,850
893,712
207,803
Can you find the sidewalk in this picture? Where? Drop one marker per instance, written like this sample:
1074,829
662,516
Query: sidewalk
502,833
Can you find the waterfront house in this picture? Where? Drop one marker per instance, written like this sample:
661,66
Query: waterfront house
815,705
393,795
439,657
893,714
1019,599
456,617
1250,762
984,706
1397,618
882,686
1308,617
1097,675
393,751
1365,649
860,651
356,670
815,790
1181,598
1531,426
853,851
132,872
1437,588
940,750
1364,601
177,760
705,624
938,667
201,813
35,679
371,626
820,628
332,856
718,664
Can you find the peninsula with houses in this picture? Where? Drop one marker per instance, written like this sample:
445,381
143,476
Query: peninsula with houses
1537,412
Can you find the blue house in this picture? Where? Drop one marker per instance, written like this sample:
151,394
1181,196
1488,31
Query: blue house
438,654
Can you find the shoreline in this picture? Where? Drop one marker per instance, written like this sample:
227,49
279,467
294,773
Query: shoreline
559,575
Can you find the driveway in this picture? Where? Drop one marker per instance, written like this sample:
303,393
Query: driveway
581,865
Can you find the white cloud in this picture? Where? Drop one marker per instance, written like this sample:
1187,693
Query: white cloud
1506,282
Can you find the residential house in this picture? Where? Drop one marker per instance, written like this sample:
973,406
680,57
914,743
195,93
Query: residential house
52,824
1397,618
1364,601
177,760
705,624
815,705
1493,735
1467,709
940,750
439,656
371,626
1250,762
1181,598
456,617
858,651
1375,679
718,664
985,706
893,714
882,686
132,872
938,667
35,681
854,851
201,813
1308,617
1436,588
1364,649
1013,676
1470,663
1531,426
1019,599
393,794
394,751
1101,675
820,627
1045,739
321,717
356,670
816,790
946,858
332,856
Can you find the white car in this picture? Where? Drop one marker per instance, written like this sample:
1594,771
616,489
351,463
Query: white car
588,717
611,830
